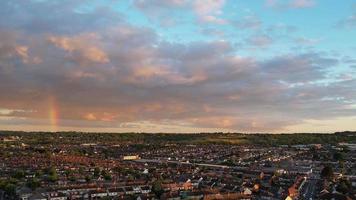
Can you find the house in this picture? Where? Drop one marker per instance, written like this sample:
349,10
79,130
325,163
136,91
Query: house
231,196
289,198
37,196
247,191
334,196
99,193
129,190
24,192
57,196
116,192
171,196
145,189
193,195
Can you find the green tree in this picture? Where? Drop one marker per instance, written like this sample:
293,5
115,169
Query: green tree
19,174
339,156
81,170
157,188
72,178
53,176
96,172
342,166
33,183
327,173
344,186
10,189
68,172
38,173
106,175
88,179
2,184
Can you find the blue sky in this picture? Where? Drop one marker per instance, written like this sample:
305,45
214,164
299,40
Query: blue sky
178,65
318,21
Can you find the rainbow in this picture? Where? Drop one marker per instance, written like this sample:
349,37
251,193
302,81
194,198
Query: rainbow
53,113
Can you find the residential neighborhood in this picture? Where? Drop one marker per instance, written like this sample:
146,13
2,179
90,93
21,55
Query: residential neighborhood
172,170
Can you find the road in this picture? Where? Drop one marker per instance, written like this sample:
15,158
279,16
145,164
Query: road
179,162
308,190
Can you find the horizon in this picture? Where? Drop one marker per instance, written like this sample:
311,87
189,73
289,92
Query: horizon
178,66
185,133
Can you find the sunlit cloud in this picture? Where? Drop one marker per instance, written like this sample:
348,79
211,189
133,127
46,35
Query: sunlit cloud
127,74
81,45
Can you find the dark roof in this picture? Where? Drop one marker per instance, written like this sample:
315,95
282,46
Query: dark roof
335,196
145,187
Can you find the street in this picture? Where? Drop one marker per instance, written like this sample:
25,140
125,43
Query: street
308,190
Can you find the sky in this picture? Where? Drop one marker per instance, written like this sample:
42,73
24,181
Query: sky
178,66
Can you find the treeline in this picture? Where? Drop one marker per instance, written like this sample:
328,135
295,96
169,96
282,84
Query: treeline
198,138
305,138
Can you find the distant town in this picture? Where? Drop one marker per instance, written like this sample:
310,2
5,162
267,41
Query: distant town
73,165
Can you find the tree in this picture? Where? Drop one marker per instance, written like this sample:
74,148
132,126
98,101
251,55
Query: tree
338,156
157,188
33,183
19,174
38,173
327,173
53,176
2,184
10,189
72,178
106,175
81,170
342,166
67,173
344,186
345,149
88,179
96,172
52,171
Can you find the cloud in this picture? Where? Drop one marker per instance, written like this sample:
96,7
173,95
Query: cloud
299,68
80,44
164,12
302,3
307,41
349,22
156,82
90,116
41,16
291,4
156,4
249,22
207,11
260,40
126,77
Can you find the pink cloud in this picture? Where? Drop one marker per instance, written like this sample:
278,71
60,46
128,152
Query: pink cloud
209,10
302,3
83,45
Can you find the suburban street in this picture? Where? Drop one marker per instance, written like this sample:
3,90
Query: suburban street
308,190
